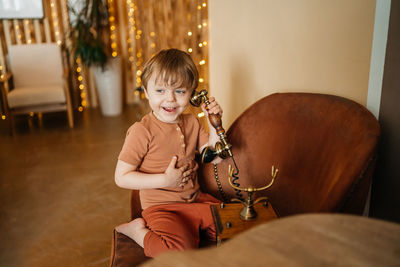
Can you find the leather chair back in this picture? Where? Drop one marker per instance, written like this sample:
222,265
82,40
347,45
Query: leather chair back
324,147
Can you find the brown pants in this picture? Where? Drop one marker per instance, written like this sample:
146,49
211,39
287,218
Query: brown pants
176,226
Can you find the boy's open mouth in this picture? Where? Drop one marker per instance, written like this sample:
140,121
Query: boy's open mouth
169,109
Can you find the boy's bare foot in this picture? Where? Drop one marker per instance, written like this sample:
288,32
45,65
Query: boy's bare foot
135,229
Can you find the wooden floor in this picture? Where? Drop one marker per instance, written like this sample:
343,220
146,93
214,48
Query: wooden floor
58,200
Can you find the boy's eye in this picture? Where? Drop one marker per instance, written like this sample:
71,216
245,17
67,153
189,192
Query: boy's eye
159,91
180,91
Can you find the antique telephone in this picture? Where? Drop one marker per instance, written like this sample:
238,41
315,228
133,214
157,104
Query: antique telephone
223,150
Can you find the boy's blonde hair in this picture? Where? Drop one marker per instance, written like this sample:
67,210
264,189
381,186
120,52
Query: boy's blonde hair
174,67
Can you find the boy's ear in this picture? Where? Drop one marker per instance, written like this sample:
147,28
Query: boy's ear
145,92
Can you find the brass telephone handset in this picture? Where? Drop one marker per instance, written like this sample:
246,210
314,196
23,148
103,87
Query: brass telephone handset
223,148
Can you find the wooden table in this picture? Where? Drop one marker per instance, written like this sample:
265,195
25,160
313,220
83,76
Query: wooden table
302,240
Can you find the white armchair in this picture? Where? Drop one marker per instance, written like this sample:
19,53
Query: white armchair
40,83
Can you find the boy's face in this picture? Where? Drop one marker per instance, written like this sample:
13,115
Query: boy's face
166,102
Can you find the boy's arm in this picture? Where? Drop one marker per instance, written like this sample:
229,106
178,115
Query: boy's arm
127,176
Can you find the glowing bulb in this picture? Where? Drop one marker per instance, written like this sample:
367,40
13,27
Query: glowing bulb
3,117
190,33
139,72
204,24
199,26
114,45
81,86
190,50
152,34
204,4
139,32
204,43
78,69
114,54
199,7
83,95
80,78
200,44
202,62
112,27
80,109
201,114
201,80
83,103
153,45
31,114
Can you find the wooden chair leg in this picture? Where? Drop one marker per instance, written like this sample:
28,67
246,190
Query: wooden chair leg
11,123
70,118
70,111
40,119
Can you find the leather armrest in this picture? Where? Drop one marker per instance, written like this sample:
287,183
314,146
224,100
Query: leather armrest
125,252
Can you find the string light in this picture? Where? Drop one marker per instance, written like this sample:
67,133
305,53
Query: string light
113,34
18,32
81,86
134,34
28,30
55,21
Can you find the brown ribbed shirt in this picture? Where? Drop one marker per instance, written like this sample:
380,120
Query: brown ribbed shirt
150,144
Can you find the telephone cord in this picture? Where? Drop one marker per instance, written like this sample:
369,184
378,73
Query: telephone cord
235,180
221,191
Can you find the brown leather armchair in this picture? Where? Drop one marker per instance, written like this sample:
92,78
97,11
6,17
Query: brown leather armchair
324,147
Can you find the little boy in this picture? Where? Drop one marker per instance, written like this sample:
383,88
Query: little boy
158,159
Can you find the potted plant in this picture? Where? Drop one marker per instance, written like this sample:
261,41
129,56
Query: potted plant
89,37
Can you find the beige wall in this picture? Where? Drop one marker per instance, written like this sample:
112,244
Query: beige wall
259,47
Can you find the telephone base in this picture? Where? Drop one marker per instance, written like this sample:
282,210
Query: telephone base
228,222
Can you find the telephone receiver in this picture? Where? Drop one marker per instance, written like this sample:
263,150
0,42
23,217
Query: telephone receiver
222,148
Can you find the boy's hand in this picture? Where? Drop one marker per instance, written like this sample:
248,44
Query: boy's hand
175,177
213,107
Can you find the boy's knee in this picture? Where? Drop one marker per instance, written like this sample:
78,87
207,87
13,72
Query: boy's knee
159,244
180,244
